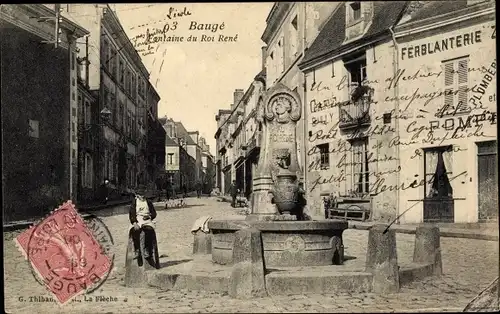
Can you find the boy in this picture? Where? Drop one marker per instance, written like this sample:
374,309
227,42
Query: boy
141,215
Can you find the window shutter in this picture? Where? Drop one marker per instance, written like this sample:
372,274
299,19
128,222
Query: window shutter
448,74
463,70
463,80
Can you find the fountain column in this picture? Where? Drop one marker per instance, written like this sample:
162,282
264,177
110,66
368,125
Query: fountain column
278,111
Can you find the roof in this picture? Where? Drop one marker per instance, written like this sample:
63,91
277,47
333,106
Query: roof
169,141
331,38
434,8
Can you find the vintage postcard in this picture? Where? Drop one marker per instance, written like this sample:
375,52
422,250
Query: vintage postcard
250,157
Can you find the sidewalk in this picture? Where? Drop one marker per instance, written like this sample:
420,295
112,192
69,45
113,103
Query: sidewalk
84,209
489,233
87,210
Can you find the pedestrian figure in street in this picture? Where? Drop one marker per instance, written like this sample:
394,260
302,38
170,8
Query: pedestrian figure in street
105,191
234,193
159,187
169,190
184,191
141,215
198,189
302,202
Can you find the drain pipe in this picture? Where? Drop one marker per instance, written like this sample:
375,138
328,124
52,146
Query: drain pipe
396,122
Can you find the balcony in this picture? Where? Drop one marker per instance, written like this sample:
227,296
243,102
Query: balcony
355,113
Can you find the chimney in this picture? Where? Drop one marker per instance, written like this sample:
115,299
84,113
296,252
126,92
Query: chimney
238,94
264,56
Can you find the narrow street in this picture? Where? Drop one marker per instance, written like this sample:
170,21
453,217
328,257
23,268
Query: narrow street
469,266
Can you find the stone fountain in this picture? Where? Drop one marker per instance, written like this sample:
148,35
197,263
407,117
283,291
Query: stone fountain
276,209
276,249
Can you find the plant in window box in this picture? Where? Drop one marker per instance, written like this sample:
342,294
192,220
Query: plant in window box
360,91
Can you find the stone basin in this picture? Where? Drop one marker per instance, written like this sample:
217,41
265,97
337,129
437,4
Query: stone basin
286,243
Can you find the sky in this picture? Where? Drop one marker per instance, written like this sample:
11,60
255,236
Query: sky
196,79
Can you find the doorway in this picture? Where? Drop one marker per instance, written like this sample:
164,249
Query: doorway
487,181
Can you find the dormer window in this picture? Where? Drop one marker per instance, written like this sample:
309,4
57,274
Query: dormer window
356,10
359,17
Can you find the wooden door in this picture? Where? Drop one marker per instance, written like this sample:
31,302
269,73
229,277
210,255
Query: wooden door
487,181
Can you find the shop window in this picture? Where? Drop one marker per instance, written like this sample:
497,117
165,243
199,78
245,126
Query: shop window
438,169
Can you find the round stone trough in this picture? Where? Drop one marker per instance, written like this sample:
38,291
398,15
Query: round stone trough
286,243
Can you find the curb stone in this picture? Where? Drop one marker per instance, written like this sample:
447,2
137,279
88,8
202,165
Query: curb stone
444,232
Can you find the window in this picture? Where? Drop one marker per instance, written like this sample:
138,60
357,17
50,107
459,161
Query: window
356,10
105,97
129,124
33,129
87,171
438,168
140,87
170,159
73,61
105,52
87,113
360,166
80,108
120,116
112,61
356,68
133,89
112,106
324,155
456,82
121,75
128,82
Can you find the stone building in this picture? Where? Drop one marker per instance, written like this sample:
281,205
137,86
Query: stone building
392,110
220,150
246,136
39,111
208,166
87,139
229,146
194,150
290,29
182,165
115,69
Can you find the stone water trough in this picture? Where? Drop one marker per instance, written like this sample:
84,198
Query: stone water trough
246,274
277,248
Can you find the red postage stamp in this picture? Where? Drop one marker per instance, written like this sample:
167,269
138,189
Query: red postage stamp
65,253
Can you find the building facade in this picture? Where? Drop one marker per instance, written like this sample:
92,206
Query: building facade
88,133
290,29
220,160
39,111
114,68
183,155
208,167
449,140
229,144
391,133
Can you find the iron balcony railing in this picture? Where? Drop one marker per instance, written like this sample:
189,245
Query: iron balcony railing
355,113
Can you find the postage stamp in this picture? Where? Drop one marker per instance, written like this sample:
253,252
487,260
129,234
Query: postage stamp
69,256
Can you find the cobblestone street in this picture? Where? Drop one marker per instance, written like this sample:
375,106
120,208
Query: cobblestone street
469,266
